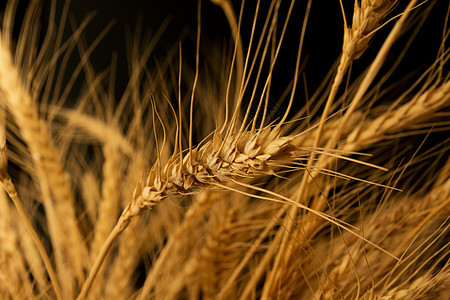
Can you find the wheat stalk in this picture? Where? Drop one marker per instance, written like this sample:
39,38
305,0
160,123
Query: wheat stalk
13,273
54,181
9,187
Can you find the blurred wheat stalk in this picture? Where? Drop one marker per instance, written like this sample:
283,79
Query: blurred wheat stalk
108,198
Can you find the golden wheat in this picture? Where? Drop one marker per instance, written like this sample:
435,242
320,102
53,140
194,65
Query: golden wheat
189,184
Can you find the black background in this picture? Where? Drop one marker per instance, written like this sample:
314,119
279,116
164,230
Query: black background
321,48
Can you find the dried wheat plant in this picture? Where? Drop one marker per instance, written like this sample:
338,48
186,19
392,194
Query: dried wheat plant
188,184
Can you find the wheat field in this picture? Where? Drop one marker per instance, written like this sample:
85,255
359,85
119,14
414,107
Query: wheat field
219,171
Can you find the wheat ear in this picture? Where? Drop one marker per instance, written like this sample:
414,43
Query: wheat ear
373,69
214,164
55,183
420,108
367,17
108,207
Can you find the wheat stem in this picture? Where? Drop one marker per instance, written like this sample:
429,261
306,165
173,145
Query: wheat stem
11,190
373,70
117,230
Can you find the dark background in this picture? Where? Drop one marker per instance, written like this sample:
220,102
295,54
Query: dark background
321,47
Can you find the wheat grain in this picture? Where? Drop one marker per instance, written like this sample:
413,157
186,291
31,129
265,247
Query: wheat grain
366,18
98,130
